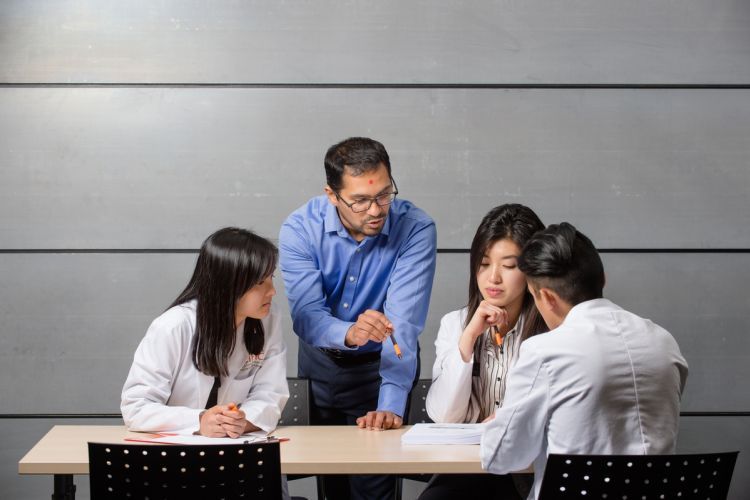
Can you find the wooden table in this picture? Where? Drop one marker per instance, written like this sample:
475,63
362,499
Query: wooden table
63,452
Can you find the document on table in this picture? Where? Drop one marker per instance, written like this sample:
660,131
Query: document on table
189,438
443,434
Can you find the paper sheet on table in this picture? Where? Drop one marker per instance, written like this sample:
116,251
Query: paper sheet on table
190,438
443,434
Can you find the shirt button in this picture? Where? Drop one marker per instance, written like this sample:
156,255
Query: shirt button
359,250
497,403
346,305
351,278
498,379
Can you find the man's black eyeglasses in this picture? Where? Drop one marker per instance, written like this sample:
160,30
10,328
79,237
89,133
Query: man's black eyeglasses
364,204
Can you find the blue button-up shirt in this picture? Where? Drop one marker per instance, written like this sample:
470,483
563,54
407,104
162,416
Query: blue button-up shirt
331,279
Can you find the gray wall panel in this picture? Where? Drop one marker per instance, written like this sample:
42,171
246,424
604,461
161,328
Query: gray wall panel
161,168
535,41
69,323
717,434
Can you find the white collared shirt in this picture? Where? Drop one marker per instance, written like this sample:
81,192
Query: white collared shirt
604,382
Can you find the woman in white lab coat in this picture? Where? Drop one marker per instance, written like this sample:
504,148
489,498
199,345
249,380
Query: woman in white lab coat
214,363
477,345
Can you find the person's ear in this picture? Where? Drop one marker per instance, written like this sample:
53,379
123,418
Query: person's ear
549,299
331,195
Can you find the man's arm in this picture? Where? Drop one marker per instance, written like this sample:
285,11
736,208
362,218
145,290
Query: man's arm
515,437
303,280
406,305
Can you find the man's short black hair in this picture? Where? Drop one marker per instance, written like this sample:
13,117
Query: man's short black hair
359,154
564,260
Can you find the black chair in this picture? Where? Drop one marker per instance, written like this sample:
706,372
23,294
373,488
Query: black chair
297,412
297,409
417,415
636,477
185,471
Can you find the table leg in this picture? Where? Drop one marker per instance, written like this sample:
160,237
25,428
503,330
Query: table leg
64,489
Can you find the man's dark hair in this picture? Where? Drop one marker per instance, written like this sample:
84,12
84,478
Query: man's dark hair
564,260
359,154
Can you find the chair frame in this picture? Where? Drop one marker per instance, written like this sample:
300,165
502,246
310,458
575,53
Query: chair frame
703,476
247,470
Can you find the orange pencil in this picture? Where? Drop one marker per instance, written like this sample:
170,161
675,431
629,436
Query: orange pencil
498,337
395,346
233,407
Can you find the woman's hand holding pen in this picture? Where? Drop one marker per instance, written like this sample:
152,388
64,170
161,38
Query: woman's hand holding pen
370,325
225,420
484,317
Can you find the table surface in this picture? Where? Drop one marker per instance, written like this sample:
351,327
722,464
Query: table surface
310,450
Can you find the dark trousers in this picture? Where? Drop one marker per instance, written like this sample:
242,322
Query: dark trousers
342,391
480,486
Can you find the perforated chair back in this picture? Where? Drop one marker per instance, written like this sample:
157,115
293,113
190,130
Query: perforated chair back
417,402
637,477
297,409
176,471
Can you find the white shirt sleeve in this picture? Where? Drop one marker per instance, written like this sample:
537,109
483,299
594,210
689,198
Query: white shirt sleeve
155,366
269,391
450,391
516,436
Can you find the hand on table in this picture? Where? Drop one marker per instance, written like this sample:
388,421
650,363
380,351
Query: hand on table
379,421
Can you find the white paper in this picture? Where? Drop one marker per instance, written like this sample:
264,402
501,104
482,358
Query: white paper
443,434
181,437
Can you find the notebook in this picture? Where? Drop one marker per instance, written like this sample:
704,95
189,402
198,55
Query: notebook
443,434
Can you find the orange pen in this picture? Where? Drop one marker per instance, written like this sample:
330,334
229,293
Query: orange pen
233,407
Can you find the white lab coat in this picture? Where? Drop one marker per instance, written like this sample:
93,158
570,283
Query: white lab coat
164,390
451,397
604,382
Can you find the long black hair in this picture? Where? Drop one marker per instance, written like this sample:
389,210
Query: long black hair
231,261
517,223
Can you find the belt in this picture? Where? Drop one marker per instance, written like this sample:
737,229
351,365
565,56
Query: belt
343,358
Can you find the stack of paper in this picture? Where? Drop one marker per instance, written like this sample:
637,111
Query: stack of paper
443,434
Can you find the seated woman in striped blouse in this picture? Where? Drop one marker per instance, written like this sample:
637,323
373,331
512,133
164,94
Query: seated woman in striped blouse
477,345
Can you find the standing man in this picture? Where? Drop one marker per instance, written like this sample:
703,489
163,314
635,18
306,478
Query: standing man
358,266
601,381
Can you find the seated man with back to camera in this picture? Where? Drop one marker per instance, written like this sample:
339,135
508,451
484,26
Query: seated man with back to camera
601,381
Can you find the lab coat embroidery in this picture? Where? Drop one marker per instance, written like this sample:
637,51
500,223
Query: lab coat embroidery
254,360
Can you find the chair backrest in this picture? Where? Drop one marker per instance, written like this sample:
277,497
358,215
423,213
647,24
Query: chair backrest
638,476
178,471
297,409
417,401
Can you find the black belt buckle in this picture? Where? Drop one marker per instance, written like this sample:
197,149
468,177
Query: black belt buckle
342,358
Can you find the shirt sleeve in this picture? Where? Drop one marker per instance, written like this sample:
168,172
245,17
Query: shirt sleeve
450,391
270,390
149,384
515,437
406,305
303,281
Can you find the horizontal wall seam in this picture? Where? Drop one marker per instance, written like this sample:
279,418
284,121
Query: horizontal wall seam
117,415
437,86
439,250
